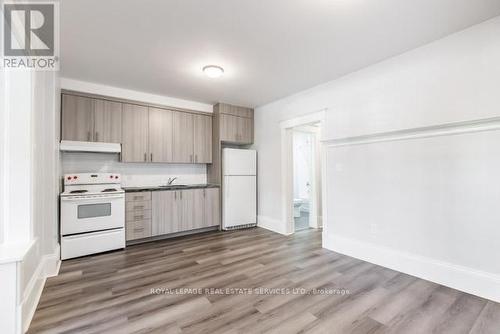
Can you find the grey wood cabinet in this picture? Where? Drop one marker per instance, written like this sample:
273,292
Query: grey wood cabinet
77,118
160,135
135,133
202,141
233,125
183,137
138,215
166,212
187,199
212,207
93,120
236,129
107,121
147,133
184,210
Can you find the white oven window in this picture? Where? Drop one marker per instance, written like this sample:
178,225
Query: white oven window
94,210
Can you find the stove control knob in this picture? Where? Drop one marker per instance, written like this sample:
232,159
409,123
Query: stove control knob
75,177
69,177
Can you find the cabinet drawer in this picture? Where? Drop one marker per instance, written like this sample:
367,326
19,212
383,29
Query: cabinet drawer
137,215
139,196
138,205
138,230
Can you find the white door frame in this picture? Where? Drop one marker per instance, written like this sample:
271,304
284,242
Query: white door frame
287,167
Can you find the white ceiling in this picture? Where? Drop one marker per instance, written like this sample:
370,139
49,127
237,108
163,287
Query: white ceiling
269,48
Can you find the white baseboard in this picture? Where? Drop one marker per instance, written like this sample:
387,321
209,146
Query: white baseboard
272,224
47,267
479,283
52,262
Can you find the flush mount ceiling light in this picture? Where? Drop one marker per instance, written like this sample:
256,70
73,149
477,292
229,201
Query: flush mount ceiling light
213,71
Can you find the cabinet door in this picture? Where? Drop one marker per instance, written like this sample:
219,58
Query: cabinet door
77,118
228,128
160,135
202,139
107,121
183,137
245,130
187,198
199,218
212,207
134,133
166,212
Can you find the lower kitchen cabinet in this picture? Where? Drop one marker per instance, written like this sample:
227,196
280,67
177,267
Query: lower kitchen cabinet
211,210
184,210
138,215
166,212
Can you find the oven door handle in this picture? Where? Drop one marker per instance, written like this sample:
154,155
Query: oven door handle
78,199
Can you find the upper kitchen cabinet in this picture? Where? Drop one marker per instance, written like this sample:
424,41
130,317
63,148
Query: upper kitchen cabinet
232,125
107,121
92,120
135,133
77,118
183,137
146,133
160,135
235,124
202,145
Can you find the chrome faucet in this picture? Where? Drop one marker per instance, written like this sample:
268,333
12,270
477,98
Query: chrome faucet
171,180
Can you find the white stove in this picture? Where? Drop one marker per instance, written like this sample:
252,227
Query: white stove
92,214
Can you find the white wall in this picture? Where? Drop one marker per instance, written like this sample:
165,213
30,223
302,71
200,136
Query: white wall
96,88
423,206
2,154
30,195
133,174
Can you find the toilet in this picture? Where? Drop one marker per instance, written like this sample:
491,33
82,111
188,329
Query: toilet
298,204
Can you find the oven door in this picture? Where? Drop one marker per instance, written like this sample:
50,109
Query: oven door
80,214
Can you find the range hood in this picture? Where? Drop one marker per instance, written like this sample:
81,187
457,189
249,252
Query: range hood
85,146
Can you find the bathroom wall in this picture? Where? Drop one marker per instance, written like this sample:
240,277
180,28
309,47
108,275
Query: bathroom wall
133,174
302,164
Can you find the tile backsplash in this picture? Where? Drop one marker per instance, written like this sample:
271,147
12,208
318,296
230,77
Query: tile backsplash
133,174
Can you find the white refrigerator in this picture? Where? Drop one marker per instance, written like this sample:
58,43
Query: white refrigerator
239,200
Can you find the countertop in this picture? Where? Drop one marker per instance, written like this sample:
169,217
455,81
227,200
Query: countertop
172,187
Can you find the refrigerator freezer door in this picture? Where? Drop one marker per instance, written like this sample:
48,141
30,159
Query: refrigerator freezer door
239,162
240,201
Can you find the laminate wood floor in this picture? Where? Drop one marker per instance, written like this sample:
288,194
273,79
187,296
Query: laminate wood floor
112,293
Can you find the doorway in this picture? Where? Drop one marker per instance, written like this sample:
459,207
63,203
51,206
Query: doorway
302,172
304,152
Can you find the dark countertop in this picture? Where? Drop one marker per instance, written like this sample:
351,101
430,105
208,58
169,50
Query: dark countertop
172,187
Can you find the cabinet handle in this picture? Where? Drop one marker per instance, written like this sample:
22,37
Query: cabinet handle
191,158
151,157
180,193
145,157
175,195
88,135
138,198
204,195
96,136
139,229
